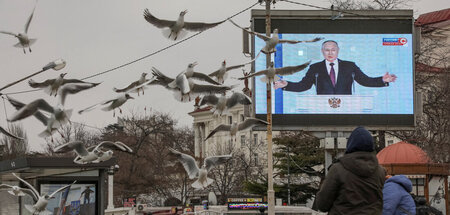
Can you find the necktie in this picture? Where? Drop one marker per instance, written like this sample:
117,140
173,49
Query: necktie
332,75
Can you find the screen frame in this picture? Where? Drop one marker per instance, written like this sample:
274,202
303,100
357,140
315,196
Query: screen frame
313,22
79,180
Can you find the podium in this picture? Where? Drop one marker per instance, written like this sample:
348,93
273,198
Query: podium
324,104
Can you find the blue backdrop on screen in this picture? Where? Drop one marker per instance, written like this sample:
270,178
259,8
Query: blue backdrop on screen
374,54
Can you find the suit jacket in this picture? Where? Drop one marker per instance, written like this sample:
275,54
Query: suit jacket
317,74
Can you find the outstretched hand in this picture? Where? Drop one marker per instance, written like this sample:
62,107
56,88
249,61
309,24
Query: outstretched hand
389,77
279,84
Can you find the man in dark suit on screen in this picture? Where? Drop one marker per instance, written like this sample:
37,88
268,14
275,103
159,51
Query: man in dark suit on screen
334,76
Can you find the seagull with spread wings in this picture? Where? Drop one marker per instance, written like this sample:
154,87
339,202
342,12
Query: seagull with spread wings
51,86
117,102
58,115
271,42
271,74
24,40
222,73
235,127
15,190
141,80
184,88
201,174
176,29
41,200
94,154
222,104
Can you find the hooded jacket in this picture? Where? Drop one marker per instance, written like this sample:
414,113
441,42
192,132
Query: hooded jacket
354,183
396,194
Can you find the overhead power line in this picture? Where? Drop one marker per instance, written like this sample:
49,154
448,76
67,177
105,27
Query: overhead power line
141,58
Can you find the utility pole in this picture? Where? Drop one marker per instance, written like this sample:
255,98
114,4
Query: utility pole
270,191
289,175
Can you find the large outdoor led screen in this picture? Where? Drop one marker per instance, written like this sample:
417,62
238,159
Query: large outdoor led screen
371,102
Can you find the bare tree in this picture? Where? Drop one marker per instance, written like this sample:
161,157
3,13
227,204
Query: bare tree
370,4
432,132
150,170
71,132
13,148
246,165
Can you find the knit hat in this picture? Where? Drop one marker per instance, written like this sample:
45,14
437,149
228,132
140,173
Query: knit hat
360,140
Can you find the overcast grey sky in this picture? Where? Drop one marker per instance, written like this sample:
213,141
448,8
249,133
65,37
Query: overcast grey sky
98,35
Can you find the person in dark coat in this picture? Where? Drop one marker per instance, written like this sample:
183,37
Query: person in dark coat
354,184
396,197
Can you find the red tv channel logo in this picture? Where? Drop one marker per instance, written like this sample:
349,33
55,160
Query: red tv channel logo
394,41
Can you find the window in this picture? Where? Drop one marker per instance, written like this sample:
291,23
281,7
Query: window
230,120
242,140
390,142
255,139
255,157
242,118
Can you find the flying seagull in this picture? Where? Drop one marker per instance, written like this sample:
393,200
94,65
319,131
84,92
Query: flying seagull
201,174
184,88
221,74
41,200
271,42
235,127
141,80
190,73
271,74
51,86
222,104
111,104
114,103
58,116
15,190
24,41
5,132
94,154
73,88
176,29
38,114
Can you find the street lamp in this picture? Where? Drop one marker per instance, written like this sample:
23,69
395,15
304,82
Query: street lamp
55,65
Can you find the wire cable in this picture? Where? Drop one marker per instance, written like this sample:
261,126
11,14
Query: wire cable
355,14
144,57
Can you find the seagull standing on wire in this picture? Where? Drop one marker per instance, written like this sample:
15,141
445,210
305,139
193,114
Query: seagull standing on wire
271,74
193,171
24,41
235,127
222,104
271,42
93,154
221,74
176,29
51,86
41,200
